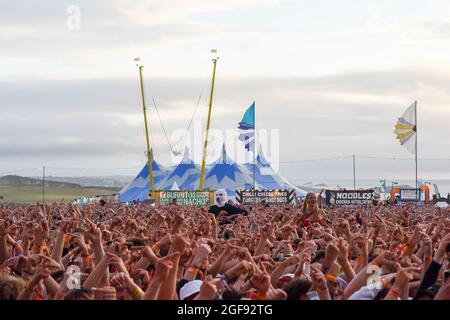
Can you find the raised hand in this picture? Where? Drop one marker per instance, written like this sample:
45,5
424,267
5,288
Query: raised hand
318,279
267,230
121,281
93,233
79,241
332,252
310,247
4,228
361,242
404,276
118,262
387,259
41,272
242,253
140,277
342,245
261,280
292,261
444,292
202,251
208,289
180,243
441,251
163,267
47,262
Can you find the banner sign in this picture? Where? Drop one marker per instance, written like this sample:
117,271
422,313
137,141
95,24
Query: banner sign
349,197
271,197
186,198
410,194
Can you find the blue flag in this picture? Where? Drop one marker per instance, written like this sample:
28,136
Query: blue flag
247,128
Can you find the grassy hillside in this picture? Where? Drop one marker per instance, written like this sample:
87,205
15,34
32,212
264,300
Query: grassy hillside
24,190
18,181
33,193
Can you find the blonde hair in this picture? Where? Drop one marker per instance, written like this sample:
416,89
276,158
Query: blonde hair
316,209
10,287
305,205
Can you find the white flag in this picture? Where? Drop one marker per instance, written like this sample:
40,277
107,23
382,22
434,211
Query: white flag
406,130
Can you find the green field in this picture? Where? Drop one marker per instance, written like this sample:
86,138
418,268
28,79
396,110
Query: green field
32,194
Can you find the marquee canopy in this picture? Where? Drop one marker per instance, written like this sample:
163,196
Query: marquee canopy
224,173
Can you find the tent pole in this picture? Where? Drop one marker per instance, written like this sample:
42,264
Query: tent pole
149,155
202,173
254,147
417,184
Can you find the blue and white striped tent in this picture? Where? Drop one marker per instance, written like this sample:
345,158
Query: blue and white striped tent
267,178
226,174
138,189
186,174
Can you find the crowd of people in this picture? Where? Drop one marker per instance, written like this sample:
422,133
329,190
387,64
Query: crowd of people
173,252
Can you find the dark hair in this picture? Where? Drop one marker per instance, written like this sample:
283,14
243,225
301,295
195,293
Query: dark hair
226,235
382,294
297,288
137,242
372,256
320,254
231,293
79,294
79,230
58,275
163,252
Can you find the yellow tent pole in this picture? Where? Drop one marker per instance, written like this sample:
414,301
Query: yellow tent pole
202,174
149,155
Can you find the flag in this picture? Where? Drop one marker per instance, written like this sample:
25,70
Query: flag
405,129
247,128
383,185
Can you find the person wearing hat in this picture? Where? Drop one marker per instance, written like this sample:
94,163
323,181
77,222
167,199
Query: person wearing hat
190,290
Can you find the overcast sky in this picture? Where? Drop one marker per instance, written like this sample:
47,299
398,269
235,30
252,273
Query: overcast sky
331,76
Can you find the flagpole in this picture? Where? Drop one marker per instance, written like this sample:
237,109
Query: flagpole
254,146
354,174
417,186
43,187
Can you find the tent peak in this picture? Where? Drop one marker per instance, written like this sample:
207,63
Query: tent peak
186,157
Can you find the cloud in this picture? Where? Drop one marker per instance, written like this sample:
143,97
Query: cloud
332,86
89,120
170,11
112,24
